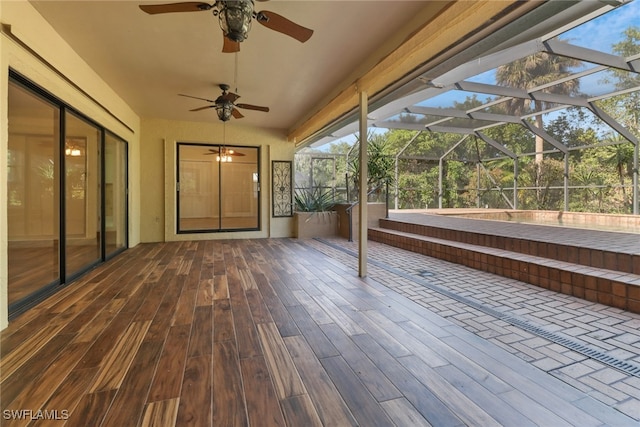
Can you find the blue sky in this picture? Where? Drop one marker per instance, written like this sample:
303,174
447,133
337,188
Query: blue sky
604,31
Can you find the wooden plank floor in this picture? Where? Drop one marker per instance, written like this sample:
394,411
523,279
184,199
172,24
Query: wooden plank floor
261,333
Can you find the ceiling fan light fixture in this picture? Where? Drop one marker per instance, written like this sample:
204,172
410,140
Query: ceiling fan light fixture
224,110
235,19
224,156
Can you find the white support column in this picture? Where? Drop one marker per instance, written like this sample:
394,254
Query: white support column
478,185
362,198
440,178
396,190
636,191
515,182
566,182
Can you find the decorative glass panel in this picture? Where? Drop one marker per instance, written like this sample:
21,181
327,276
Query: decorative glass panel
282,195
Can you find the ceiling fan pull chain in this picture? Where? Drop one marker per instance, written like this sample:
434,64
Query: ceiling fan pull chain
235,73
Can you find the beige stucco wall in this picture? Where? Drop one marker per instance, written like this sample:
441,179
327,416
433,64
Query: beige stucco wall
158,164
32,48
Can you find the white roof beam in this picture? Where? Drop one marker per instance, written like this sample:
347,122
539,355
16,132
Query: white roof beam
440,112
495,144
388,124
560,99
469,114
614,124
561,48
502,118
544,135
521,93
492,89
451,129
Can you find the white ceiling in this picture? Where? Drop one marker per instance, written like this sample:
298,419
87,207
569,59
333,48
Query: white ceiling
149,59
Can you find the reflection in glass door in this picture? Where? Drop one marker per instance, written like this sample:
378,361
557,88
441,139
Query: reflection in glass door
218,188
82,204
33,194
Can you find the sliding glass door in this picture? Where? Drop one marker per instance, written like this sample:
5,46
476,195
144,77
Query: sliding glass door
218,188
67,193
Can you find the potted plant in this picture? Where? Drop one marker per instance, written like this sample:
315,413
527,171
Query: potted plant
314,213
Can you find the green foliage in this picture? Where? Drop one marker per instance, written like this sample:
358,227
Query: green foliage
418,189
380,164
514,137
549,176
314,200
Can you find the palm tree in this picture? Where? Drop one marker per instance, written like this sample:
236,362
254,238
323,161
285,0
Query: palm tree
530,72
533,71
380,163
620,156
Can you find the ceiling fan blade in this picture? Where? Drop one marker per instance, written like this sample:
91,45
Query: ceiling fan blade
203,108
229,46
230,96
237,114
190,6
253,107
283,25
196,97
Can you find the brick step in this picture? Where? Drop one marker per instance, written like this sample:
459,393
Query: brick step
610,287
624,262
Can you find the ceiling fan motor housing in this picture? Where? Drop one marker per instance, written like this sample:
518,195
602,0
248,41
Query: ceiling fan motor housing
235,18
224,109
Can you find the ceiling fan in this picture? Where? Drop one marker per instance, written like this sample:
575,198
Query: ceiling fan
235,18
225,104
224,154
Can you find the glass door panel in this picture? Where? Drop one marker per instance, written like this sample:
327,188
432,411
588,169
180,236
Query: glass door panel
239,188
32,194
82,190
198,195
115,194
